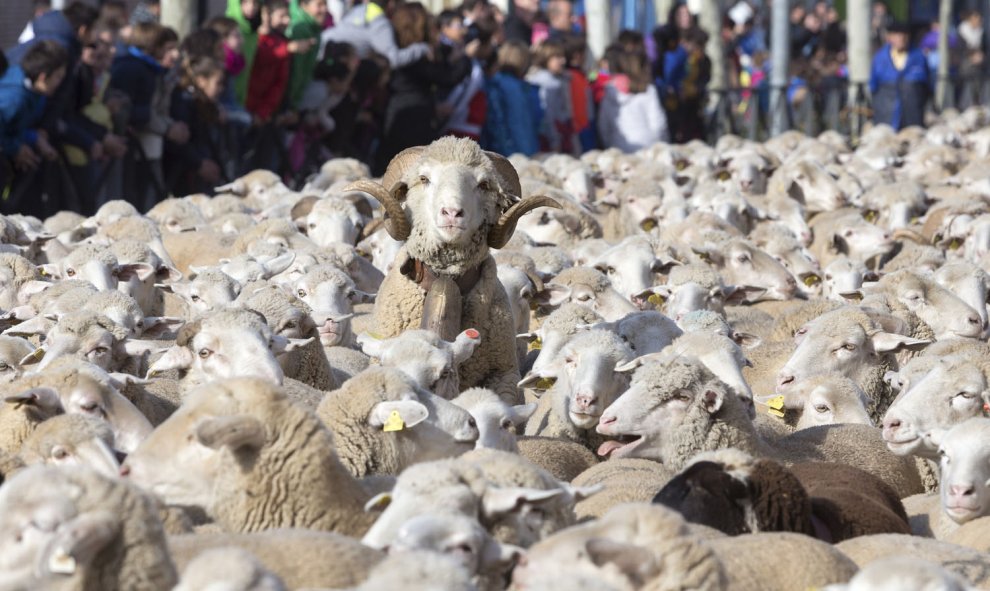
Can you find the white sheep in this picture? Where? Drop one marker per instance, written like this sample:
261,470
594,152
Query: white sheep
427,359
498,422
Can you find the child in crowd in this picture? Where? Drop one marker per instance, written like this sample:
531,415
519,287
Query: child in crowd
630,117
270,73
193,166
549,74
513,115
330,85
582,107
307,19
466,105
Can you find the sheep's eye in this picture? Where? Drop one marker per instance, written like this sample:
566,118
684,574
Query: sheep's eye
610,270
88,407
913,297
423,179
301,293
472,422
822,408
101,350
4,366
312,226
743,258
544,219
70,272
828,277
849,347
204,353
485,185
351,294
801,331
194,298
570,360
847,233
59,453
966,395
506,424
288,325
682,397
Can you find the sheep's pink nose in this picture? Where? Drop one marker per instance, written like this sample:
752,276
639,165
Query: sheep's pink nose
125,470
784,379
451,212
607,420
974,319
891,425
584,401
961,490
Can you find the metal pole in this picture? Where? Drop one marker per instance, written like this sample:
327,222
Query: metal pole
180,15
599,26
710,20
942,85
858,32
780,46
663,9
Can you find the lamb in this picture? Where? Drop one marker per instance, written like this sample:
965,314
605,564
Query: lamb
845,232
566,227
968,282
736,493
461,202
630,266
133,227
497,421
233,568
744,265
778,241
676,409
907,292
20,415
209,289
177,215
69,526
431,362
331,219
297,556
588,287
690,288
331,294
90,262
964,450
587,382
385,423
644,332
970,565
141,284
13,350
827,399
902,572
72,440
195,459
556,330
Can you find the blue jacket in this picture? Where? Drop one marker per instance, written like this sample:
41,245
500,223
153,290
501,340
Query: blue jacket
899,96
49,26
136,74
20,111
513,117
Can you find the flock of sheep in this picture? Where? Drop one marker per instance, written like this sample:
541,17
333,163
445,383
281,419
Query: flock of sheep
743,367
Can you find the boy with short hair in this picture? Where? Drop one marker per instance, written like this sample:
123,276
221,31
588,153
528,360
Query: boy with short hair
24,89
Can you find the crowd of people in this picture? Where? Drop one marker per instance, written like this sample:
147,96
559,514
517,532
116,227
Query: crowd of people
106,103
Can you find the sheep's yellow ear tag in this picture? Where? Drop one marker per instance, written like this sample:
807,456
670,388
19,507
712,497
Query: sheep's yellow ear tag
648,225
535,345
394,422
724,175
35,355
656,299
812,280
62,563
776,406
954,244
545,383
871,215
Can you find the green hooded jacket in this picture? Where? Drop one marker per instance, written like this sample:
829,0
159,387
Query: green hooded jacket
249,49
302,26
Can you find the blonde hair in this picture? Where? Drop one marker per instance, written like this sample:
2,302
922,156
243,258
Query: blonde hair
513,58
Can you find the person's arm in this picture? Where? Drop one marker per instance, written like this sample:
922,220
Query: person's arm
382,40
875,72
188,153
133,83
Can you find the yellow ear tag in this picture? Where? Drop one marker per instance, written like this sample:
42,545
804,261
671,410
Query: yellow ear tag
656,299
43,273
870,216
37,354
648,225
812,280
62,563
545,383
776,405
394,422
724,175
681,165
535,345
954,244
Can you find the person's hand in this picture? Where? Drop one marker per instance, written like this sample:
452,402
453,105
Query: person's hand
178,132
96,151
301,45
26,159
45,148
114,146
209,171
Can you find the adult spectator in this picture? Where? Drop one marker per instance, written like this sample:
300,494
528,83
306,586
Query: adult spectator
630,117
899,81
411,117
368,29
560,17
518,25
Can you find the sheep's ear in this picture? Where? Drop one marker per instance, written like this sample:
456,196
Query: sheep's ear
886,342
739,294
141,271
167,273
362,297
371,346
663,266
138,347
160,326
550,371
279,264
30,288
579,493
520,413
465,344
175,357
35,326
378,502
77,542
746,340
554,294
410,412
498,501
641,360
712,400
495,554
235,432
635,562
50,270
43,398
282,344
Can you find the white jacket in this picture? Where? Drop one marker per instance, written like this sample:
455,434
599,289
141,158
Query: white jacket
630,122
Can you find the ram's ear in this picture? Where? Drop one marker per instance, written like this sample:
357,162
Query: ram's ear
175,357
237,432
408,412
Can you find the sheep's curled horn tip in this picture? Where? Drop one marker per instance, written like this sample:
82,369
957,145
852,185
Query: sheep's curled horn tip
390,192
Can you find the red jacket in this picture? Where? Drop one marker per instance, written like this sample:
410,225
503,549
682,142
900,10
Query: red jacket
269,75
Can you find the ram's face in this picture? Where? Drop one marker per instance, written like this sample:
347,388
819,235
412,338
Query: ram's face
454,200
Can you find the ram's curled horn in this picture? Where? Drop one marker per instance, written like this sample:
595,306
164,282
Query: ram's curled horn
500,233
396,222
508,173
388,192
